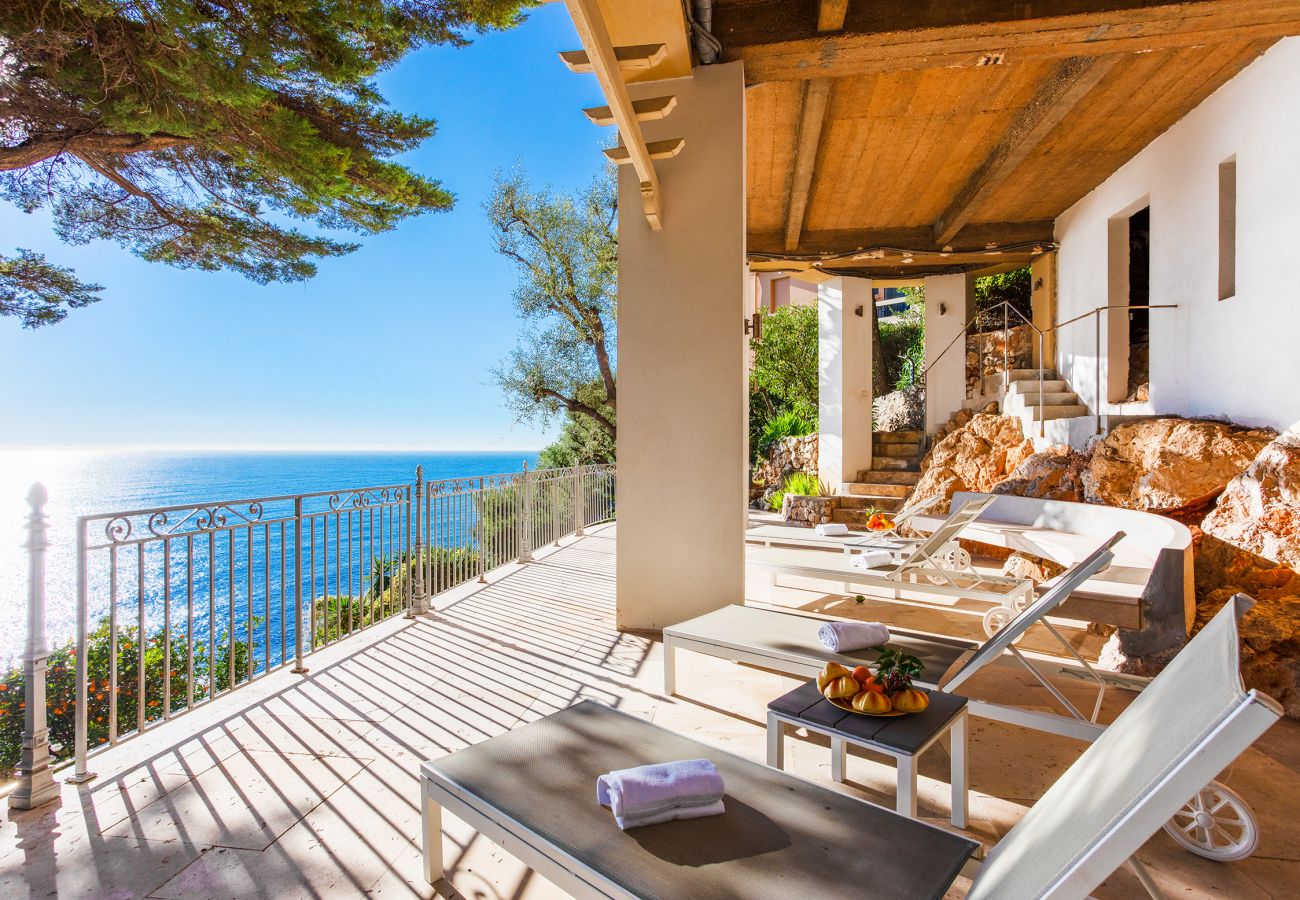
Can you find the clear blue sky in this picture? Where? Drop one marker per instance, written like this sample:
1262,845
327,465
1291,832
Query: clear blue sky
388,347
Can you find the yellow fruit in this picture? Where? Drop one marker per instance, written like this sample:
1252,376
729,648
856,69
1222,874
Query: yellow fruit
841,688
829,674
910,700
872,702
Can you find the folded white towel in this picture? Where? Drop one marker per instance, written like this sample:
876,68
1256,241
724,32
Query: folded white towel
644,795
872,559
841,637
830,529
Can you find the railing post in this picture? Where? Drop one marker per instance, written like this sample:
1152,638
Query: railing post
1006,341
1096,355
419,600
579,502
81,739
525,494
1042,413
482,535
36,785
298,667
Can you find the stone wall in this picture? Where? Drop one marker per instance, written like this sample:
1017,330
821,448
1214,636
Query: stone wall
810,511
984,357
784,458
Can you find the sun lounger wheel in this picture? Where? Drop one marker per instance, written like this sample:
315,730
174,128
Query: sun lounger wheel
1216,824
997,618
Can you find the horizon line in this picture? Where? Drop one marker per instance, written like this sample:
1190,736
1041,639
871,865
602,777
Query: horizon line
248,448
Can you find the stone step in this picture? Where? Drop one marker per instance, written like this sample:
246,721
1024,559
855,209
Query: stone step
1039,413
848,502
869,476
857,518
1054,398
900,450
1032,374
900,464
897,437
877,489
1050,385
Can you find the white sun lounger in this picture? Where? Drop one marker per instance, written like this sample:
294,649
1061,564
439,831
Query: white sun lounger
931,567
799,536
531,791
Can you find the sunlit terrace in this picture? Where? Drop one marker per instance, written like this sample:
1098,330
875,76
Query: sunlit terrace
307,785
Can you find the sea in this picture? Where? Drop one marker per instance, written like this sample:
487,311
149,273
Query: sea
92,482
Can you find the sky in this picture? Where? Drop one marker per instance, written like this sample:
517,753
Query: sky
387,348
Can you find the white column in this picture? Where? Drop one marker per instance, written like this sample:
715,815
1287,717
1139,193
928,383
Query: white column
949,299
682,392
843,380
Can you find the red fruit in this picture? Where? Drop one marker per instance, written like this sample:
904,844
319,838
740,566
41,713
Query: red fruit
871,684
861,673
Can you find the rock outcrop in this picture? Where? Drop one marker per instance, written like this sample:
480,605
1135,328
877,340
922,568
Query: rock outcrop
1259,510
974,456
1053,474
1169,465
899,410
784,458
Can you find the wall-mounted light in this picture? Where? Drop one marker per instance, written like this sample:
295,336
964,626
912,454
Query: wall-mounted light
943,309
857,311
1038,285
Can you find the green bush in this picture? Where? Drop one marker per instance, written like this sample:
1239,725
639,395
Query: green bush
61,686
801,484
787,424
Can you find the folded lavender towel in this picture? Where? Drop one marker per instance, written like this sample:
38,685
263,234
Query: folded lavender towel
645,795
840,637
829,529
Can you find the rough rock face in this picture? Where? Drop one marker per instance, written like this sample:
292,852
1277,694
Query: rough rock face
899,410
1260,508
973,457
1169,465
784,458
984,351
1270,631
1054,474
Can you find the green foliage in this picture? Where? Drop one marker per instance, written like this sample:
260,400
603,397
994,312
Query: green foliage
581,442
565,252
787,424
61,685
801,484
903,342
39,292
784,375
1014,287
896,668
195,132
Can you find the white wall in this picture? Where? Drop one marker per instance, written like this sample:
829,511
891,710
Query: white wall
682,398
843,380
1238,358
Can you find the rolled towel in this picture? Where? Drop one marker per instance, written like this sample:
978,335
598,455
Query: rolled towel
831,529
841,637
872,559
645,795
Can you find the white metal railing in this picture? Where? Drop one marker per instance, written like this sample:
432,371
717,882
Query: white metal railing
1041,334
191,602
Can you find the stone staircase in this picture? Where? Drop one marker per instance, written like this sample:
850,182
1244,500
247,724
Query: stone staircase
1055,400
895,469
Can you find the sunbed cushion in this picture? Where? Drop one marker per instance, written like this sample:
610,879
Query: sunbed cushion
788,635
781,836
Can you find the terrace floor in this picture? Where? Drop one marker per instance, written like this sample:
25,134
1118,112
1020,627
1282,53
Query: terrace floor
306,786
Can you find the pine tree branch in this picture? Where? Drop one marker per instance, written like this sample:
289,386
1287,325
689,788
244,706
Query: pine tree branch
42,147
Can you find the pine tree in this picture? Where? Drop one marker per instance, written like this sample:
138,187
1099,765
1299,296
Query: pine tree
196,132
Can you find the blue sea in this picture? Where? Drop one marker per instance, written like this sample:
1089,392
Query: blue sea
88,482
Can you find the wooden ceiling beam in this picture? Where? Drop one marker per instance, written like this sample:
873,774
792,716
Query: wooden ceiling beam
1060,93
986,238
606,66
816,97
646,110
831,14
778,40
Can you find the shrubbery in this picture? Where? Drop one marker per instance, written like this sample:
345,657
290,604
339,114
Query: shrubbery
801,484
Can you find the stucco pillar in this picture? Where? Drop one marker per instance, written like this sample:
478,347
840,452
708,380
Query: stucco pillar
949,302
1042,274
843,379
682,391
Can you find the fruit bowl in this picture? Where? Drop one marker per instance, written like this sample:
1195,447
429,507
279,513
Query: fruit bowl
848,707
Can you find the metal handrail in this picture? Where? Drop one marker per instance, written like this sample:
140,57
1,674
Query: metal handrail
1041,334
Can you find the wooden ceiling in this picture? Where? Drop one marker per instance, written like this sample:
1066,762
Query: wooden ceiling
920,136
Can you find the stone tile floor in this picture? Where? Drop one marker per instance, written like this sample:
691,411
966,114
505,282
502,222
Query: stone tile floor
306,786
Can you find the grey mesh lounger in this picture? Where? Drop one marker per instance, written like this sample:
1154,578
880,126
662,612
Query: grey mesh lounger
532,791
